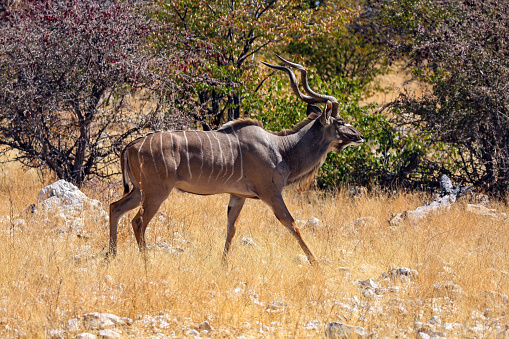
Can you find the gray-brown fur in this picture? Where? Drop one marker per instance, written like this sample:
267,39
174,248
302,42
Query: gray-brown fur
241,158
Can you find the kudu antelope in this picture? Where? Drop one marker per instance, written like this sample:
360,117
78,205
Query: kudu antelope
240,158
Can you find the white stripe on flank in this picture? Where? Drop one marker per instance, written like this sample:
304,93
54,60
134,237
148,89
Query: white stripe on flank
240,152
221,153
152,154
173,153
187,154
201,152
162,153
233,157
141,146
211,153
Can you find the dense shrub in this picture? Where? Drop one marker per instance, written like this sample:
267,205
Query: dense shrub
75,76
461,49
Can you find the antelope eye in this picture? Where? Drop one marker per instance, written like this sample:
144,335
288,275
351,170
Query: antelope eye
340,122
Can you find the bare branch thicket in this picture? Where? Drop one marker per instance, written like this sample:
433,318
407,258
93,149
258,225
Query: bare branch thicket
80,78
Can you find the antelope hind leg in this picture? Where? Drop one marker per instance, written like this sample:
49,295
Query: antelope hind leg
147,211
234,207
117,209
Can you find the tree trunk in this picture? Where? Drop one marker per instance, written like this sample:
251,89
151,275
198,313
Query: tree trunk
77,174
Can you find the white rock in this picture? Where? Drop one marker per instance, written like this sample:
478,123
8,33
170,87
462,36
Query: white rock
64,190
63,203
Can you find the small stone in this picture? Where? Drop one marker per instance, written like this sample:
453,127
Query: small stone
368,294
394,273
503,334
108,334
435,321
100,321
85,335
248,242
312,325
325,261
108,279
483,210
56,334
73,325
301,259
312,223
362,222
340,330
368,284
192,332
448,289
204,326
453,326
276,307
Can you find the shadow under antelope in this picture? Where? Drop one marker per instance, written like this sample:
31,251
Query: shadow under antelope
240,158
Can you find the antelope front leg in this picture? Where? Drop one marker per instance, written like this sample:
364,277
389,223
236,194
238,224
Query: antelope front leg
234,207
281,211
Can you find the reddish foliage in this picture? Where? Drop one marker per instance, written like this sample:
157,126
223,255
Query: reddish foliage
67,73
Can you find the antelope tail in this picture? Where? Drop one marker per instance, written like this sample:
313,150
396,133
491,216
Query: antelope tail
124,165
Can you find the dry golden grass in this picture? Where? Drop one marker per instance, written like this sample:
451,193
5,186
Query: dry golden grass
48,278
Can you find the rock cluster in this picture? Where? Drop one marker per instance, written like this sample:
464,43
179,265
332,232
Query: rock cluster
64,207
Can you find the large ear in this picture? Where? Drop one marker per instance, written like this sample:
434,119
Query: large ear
325,117
313,109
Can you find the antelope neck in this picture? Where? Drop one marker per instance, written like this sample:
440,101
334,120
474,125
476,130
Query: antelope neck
305,149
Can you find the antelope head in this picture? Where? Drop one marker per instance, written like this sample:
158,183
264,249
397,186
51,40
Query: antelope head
339,133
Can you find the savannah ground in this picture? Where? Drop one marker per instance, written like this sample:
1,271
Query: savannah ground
49,277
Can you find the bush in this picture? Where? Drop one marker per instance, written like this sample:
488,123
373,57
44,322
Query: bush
461,49
387,158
